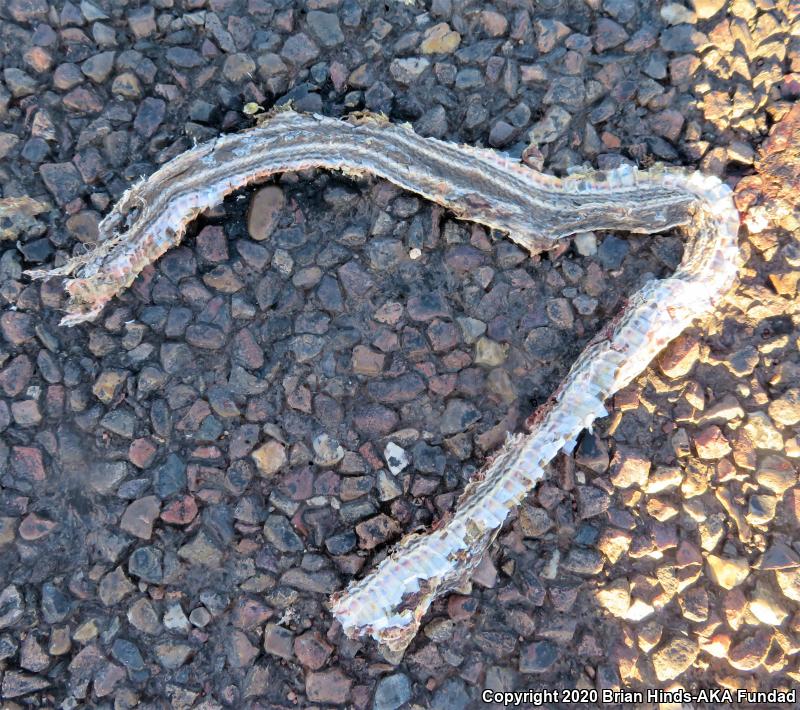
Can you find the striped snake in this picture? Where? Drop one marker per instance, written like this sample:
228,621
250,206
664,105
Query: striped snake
478,185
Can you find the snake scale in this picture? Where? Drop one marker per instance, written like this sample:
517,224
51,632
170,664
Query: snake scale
482,186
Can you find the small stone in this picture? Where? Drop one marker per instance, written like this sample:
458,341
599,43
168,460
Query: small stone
279,532
184,57
202,551
212,244
538,657
778,556
765,606
149,116
534,522
785,410
299,50
592,452
376,531
707,8
751,652
147,564
172,655
392,692
585,243
107,678
408,70
328,687
114,587
762,432
694,604
396,457
711,444
679,357
62,180
142,616
440,39
761,509
312,650
728,573
108,385
200,617
88,631
238,67
32,655
327,451
325,28
126,85
264,213
127,654
583,561
239,650
615,598
12,606
34,527
489,353
675,657
789,582
458,416
141,452
170,477
16,684
388,487
270,458
142,21
7,530
591,501
139,517
629,468
98,68
366,361
776,474
278,641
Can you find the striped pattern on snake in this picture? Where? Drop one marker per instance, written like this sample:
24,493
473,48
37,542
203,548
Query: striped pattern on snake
479,185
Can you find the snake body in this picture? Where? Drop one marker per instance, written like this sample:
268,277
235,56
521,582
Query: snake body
478,185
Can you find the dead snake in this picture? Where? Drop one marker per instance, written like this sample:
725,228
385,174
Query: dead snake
478,185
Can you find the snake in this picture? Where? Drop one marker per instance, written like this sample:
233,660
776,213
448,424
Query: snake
480,185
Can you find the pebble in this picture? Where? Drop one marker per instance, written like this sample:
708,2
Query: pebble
392,692
331,686
674,657
172,655
776,474
629,467
762,432
706,9
489,353
325,28
139,517
785,410
278,641
538,657
440,39
12,606
327,451
270,458
764,605
311,650
114,587
299,50
750,653
147,564
680,356
726,572
459,415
